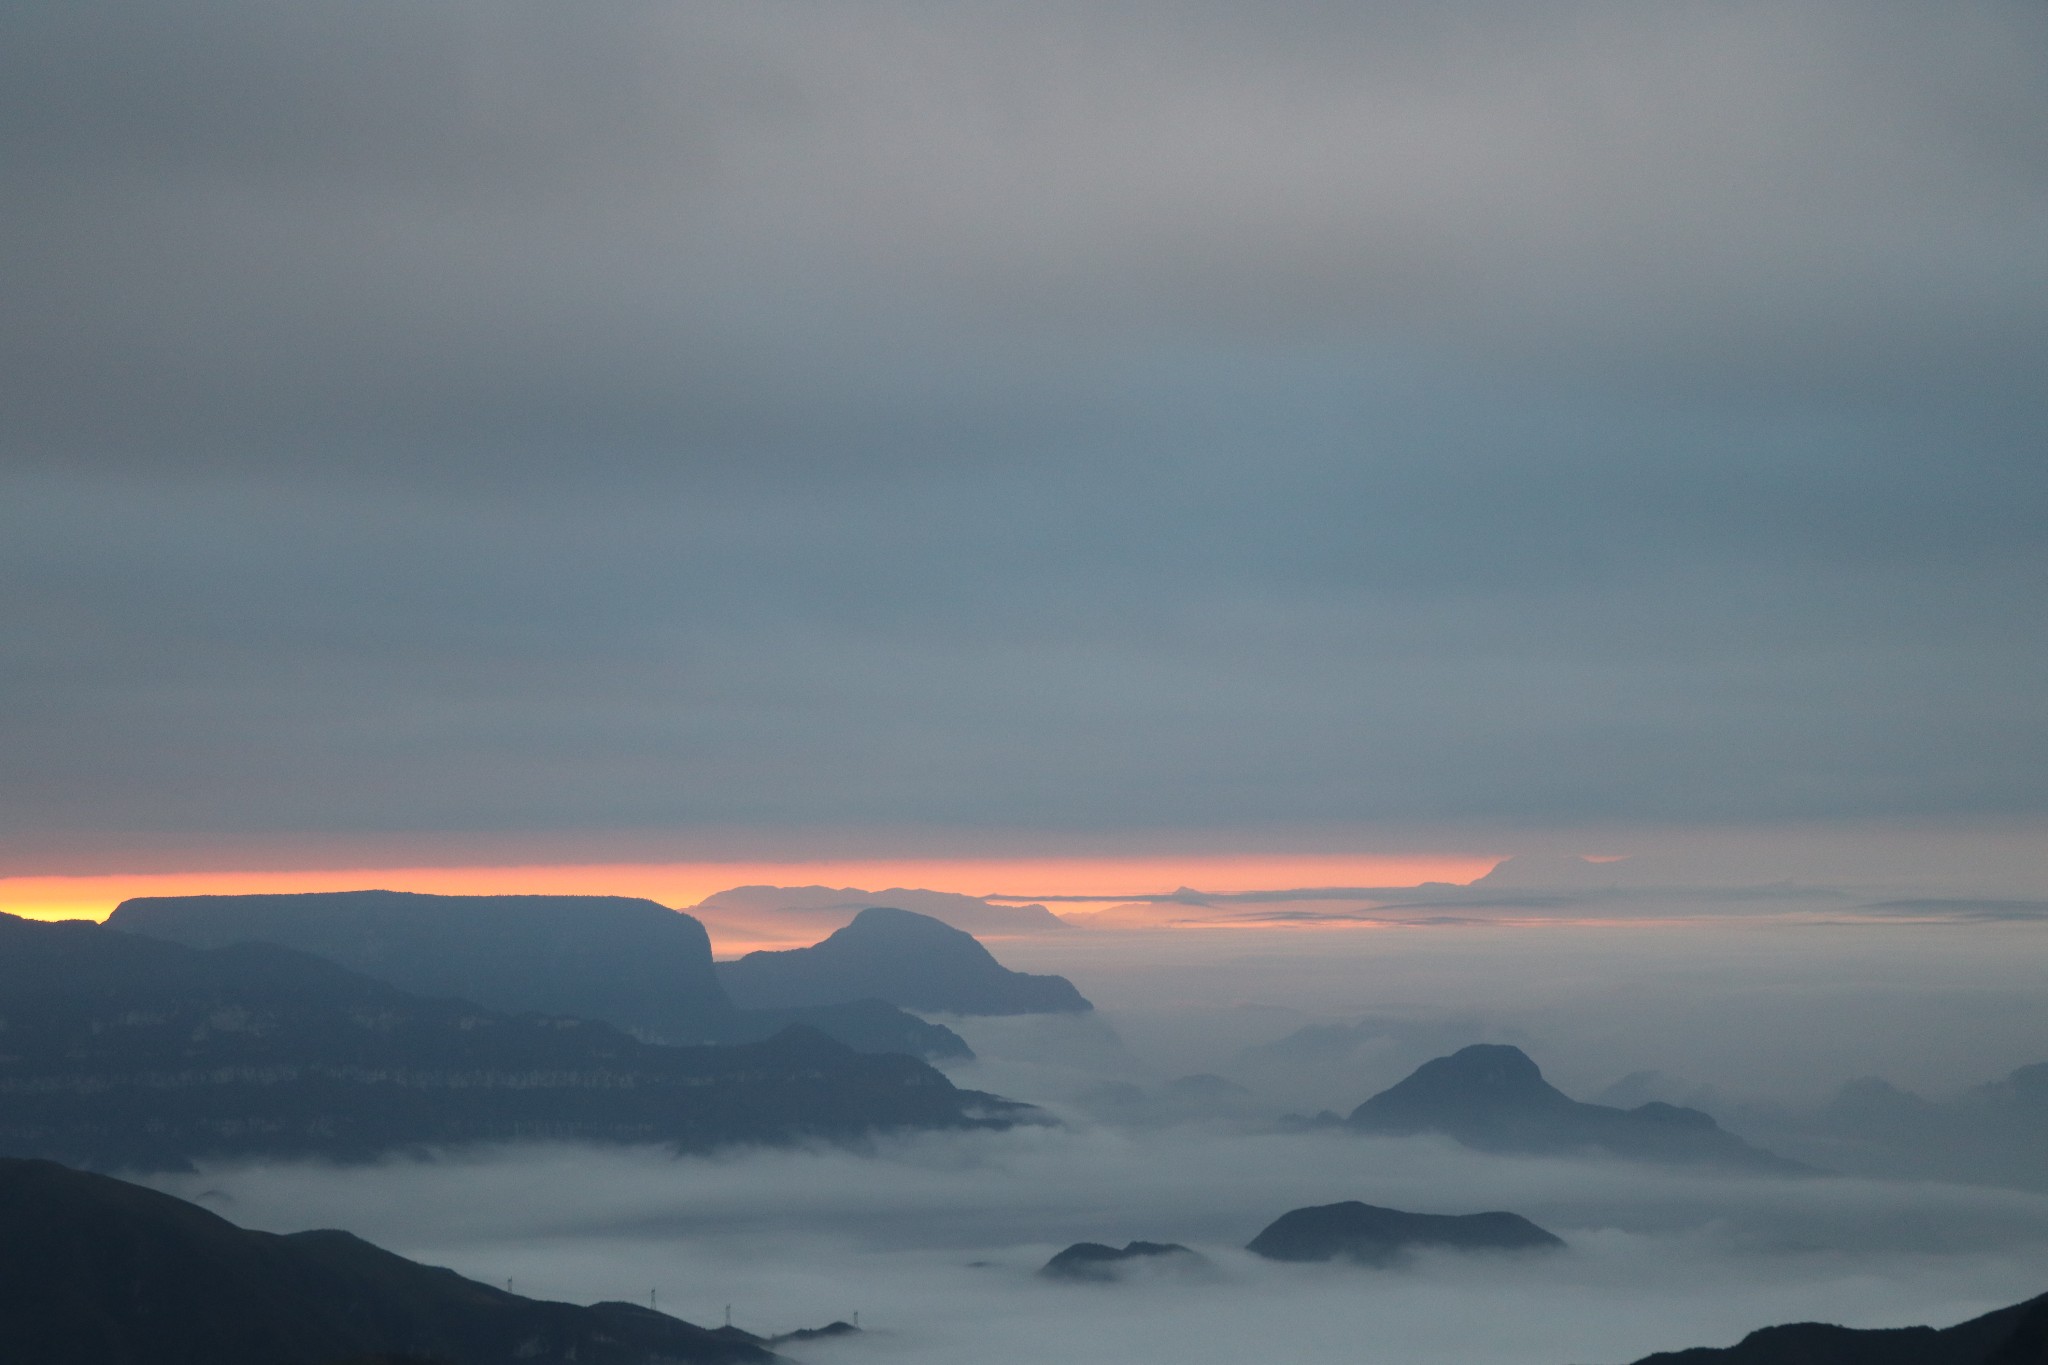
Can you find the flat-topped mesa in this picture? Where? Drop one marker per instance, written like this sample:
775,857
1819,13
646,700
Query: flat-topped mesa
628,962
131,1052
910,960
1493,1097
1371,1235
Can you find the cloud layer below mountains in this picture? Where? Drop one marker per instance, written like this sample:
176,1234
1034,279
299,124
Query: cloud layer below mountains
1063,417
935,1241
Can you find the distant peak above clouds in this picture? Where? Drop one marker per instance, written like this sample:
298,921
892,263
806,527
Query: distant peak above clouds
821,909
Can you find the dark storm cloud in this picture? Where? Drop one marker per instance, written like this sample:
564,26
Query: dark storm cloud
1055,416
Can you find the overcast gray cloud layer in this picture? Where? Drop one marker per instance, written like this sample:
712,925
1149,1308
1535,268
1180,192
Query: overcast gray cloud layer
1049,416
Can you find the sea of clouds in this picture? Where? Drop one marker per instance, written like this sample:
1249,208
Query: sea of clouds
935,1239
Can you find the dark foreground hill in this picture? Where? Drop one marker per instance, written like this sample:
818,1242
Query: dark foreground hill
1099,1264
2010,1336
118,1050
1493,1097
1371,1235
906,959
631,963
96,1271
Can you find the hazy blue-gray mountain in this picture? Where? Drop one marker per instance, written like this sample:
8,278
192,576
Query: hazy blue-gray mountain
122,1050
906,959
2010,1336
827,908
1100,1264
96,1271
1997,1132
1493,1097
1366,1233
632,963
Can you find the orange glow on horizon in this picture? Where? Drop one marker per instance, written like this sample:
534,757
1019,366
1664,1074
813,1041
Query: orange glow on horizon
684,884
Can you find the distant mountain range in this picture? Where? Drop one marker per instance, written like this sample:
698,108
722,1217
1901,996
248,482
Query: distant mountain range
1996,1132
1370,1235
1493,1097
118,1050
96,1271
632,963
907,959
2010,1336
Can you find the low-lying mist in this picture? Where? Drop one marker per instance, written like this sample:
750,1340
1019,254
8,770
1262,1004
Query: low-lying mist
935,1241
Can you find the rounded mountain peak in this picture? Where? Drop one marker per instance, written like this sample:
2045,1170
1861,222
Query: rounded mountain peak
887,920
1489,1064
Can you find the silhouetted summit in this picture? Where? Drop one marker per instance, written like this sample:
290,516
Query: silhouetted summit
1376,1236
1097,1263
2017,1335
96,1271
130,1051
628,962
906,959
1493,1097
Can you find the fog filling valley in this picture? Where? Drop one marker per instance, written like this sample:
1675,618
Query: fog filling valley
935,1239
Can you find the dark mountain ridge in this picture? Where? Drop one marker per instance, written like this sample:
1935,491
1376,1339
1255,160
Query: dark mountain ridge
1372,1235
1491,1096
96,1271
123,1051
2017,1335
631,963
907,959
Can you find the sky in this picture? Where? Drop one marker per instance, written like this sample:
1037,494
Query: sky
491,435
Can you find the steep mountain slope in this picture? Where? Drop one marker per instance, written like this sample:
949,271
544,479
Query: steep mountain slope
1493,1097
96,1271
632,963
1366,1233
119,1050
906,959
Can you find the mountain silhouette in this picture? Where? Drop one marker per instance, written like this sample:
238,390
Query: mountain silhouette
96,1271
1493,1097
2017,1335
1376,1236
631,963
125,1051
1099,1264
907,959
828,907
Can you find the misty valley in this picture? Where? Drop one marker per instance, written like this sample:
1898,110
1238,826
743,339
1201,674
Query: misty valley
375,1126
